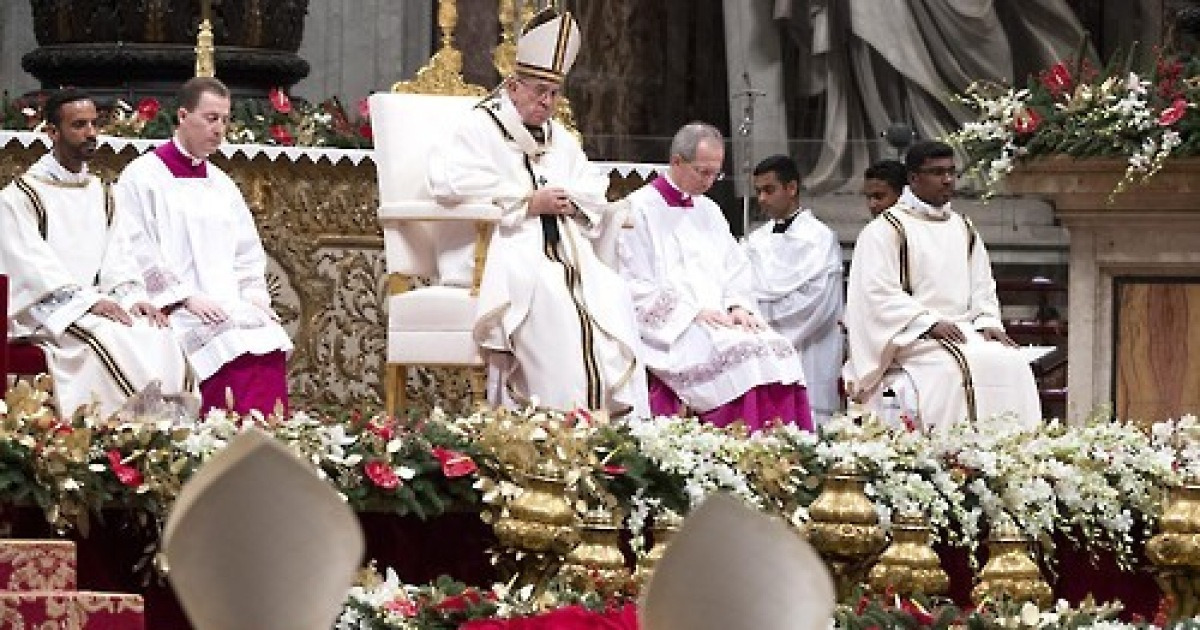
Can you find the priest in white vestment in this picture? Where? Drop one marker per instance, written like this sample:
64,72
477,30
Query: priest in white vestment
203,260
74,288
797,265
705,343
921,309
553,320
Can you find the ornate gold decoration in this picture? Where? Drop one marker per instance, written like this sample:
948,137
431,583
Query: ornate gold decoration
596,563
443,73
844,527
1010,570
909,565
504,55
538,527
666,524
206,65
1175,550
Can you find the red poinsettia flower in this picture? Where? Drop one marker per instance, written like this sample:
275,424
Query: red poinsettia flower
126,474
454,464
381,474
579,416
1173,113
364,108
460,602
147,109
1057,79
364,130
402,606
383,427
280,101
1027,121
281,135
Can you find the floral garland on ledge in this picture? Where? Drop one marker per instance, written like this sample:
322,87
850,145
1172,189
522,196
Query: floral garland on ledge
1074,109
279,121
1102,483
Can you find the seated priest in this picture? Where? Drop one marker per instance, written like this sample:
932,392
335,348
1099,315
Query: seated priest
921,303
203,260
555,322
75,290
706,346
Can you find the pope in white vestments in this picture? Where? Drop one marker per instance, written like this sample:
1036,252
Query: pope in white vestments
204,262
797,265
75,290
691,285
922,309
557,318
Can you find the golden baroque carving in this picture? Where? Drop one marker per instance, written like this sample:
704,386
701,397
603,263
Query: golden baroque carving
443,74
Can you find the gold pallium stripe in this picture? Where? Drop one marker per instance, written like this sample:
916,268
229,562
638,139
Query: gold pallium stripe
591,366
539,72
560,46
968,382
106,358
38,207
905,281
110,208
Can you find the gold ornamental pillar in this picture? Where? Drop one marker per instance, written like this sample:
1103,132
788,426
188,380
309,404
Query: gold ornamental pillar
1175,550
1010,571
909,565
844,527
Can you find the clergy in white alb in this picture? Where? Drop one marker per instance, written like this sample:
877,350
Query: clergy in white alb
203,260
796,262
74,288
556,318
705,345
921,303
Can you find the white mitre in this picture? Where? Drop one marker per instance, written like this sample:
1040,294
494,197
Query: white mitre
548,46
731,566
257,541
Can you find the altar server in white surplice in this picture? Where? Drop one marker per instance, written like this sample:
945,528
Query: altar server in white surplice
705,344
921,300
557,318
797,265
74,287
203,260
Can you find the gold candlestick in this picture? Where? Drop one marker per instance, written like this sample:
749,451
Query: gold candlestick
844,527
206,64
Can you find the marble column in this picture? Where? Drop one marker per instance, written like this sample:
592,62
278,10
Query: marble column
357,47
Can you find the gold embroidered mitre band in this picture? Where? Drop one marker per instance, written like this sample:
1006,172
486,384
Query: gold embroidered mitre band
548,46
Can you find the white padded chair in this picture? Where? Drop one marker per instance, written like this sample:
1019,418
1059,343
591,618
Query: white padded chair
446,245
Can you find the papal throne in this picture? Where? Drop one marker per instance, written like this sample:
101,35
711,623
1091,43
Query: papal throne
434,253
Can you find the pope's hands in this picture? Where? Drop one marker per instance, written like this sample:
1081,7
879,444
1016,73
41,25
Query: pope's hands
550,201
946,331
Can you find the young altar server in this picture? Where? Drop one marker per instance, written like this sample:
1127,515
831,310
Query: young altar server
74,288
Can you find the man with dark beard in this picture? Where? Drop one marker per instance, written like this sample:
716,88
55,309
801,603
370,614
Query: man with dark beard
74,287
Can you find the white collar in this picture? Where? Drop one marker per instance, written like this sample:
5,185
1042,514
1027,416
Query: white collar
48,167
918,207
195,161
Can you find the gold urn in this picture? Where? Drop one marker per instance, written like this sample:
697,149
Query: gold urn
844,527
541,519
909,565
1175,550
1010,571
666,524
597,564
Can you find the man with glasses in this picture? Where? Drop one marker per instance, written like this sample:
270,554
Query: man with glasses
922,308
707,348
555,322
